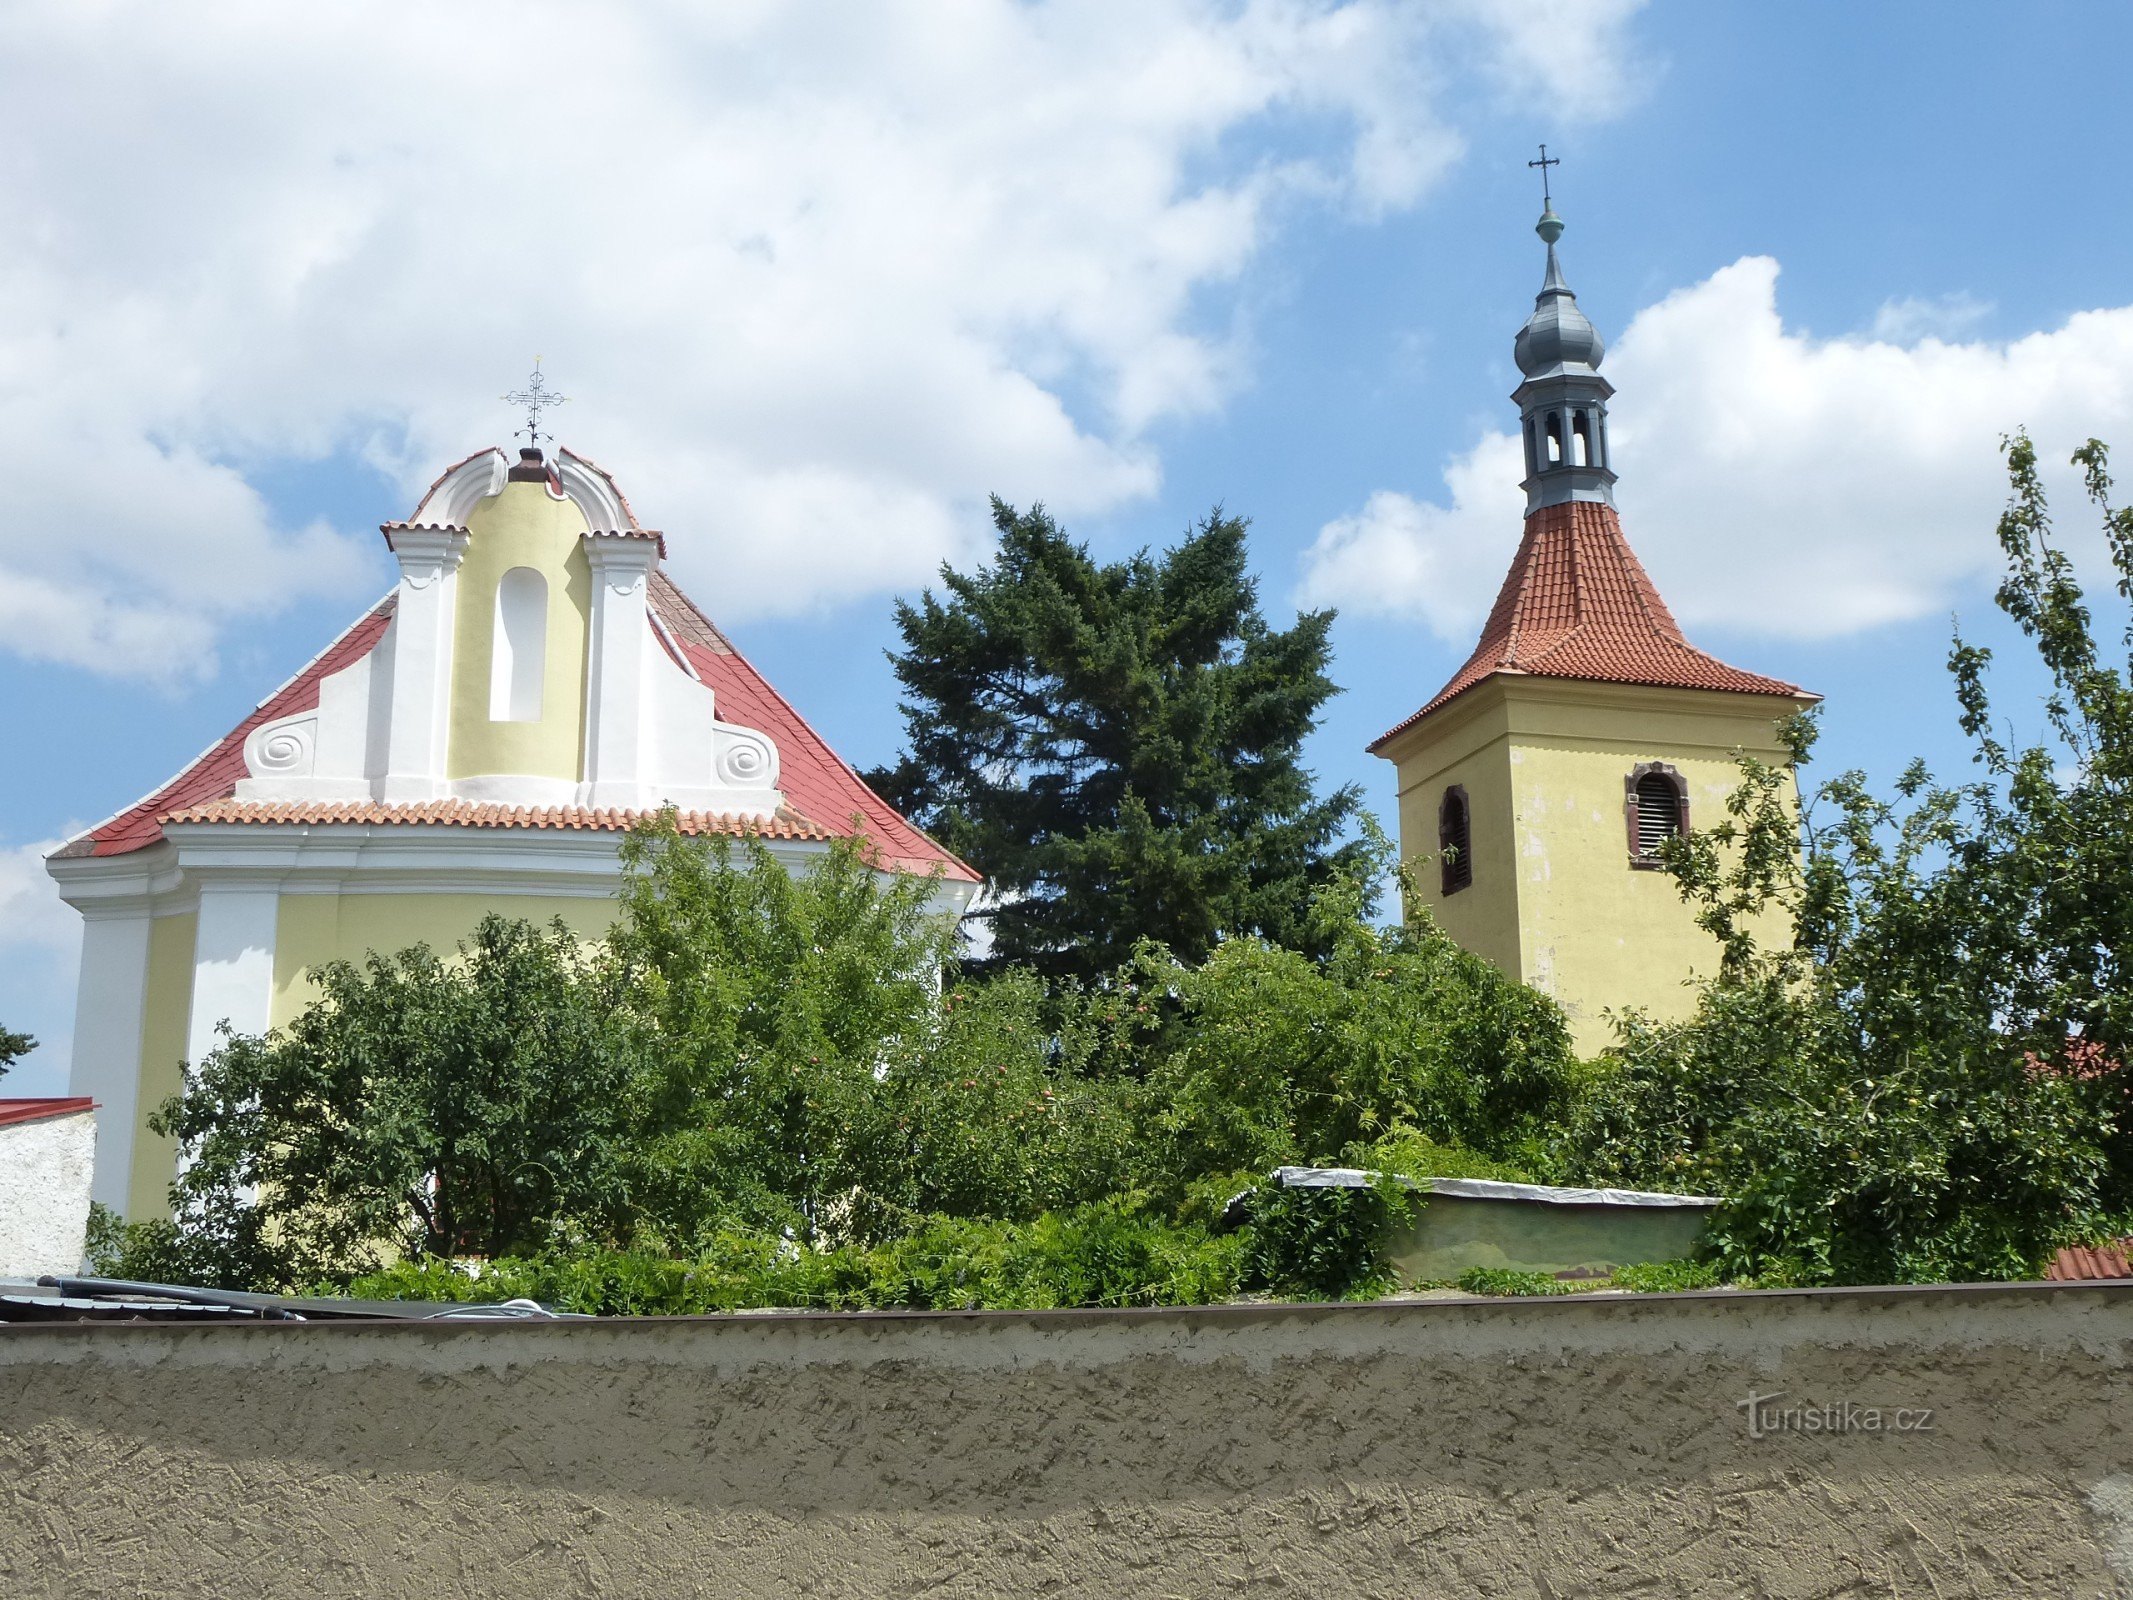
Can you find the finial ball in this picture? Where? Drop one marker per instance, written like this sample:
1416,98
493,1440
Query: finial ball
1550,226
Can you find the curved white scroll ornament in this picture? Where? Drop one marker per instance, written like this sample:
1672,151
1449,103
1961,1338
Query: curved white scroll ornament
593,493
284,749
453,497
746,759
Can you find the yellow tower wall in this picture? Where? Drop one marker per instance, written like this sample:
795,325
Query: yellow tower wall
166,1015
1555,900
524,526
317,928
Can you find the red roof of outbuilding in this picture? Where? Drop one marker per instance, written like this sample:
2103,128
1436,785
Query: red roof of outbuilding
825,798
1577,603
2081,1263
37,1110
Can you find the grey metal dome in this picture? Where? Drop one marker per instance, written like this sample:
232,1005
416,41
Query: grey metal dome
1558,337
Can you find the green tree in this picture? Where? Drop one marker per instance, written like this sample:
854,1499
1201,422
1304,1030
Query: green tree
767,1008
1117,748
13,1047
423,1106
1928,1081
1397,1035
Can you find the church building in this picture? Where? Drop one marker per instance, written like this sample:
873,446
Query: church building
1538,784
477,742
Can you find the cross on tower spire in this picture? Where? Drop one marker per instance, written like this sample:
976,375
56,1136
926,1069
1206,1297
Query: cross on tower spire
536,397
1546,161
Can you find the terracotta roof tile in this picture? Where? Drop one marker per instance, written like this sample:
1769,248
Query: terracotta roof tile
812,776
2082,1263
214,774
787,824
826,799
1577,603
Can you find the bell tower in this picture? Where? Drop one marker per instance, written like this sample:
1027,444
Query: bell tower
1537,786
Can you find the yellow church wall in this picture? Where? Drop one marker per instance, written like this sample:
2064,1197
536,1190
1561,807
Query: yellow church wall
524,526
166,1018
317,928
1554,899
1469,751
1595,932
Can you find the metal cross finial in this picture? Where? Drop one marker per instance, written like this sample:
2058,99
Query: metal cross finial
536,397
1546,161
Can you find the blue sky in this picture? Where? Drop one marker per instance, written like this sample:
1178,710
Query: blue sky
818,286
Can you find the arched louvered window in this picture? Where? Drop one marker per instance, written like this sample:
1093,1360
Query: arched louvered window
520,649
1658,807
1455,856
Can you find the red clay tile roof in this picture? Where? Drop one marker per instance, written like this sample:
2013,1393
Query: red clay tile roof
214,775
815,781
825,798
787,824
37,1110
1578,604
2080,1263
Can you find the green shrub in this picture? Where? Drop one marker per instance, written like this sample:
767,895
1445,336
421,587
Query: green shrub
1513,1281
1326,1244
1666,1277
1108,1254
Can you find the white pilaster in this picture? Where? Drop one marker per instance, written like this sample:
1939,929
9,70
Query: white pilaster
108,1006
617,658
233,964
421,661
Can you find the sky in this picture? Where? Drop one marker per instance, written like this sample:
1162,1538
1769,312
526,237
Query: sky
820,278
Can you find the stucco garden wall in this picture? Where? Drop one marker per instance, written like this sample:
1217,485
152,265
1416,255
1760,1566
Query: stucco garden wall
44,1193
1590,1446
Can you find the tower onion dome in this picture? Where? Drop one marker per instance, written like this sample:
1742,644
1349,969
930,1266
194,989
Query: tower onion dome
1562,402
1558,337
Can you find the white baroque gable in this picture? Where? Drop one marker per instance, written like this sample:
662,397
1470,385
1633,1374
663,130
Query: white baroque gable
653,736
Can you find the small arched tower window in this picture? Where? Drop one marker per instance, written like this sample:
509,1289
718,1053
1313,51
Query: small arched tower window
1581,429
520,659
1555,438
1455,855
1658,807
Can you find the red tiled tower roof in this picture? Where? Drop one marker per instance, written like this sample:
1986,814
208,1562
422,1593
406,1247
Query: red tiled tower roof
1578,604
825,798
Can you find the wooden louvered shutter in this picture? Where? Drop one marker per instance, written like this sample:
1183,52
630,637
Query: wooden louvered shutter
1657,811
1454,845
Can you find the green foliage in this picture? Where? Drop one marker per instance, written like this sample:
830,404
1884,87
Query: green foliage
1665,1277
1118,748
1327,1244
1408,1153
1515,1281
13,1047
422,1107
1927,1081
1108,1254
764,1009
1277,1059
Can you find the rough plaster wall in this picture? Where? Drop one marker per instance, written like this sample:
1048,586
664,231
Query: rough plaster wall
44,1194
1587,1447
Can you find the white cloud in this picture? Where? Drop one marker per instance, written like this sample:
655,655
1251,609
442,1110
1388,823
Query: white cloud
818,276
1910,318
1771,481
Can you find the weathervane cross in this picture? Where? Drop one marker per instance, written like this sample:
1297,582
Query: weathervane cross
536,397
1546,161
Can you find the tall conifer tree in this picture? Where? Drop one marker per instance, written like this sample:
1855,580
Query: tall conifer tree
1117,747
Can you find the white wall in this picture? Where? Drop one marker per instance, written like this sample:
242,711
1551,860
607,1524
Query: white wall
44,1193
